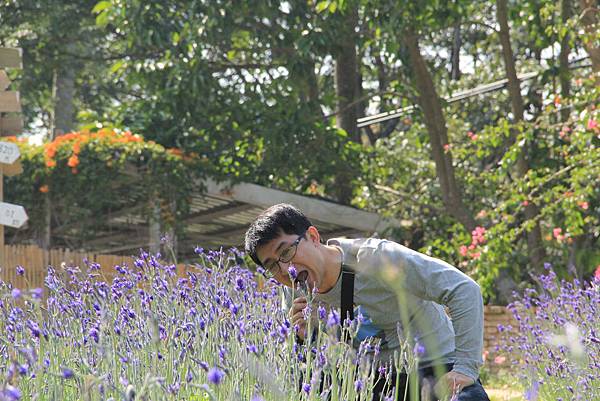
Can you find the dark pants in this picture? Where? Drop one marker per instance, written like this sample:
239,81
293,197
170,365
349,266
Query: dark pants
427,379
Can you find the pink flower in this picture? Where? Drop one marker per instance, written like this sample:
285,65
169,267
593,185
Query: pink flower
472,136
463,250
592,124
447,147
525,203
499,360
556,232
584,205
597,273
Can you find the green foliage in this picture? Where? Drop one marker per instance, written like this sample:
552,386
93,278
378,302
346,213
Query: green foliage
90,174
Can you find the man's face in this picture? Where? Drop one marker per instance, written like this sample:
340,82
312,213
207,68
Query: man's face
306,257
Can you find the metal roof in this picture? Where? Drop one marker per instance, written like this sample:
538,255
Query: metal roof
220,216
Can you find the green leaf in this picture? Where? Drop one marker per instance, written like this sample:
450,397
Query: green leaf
102,19
322,6
117,66
101,6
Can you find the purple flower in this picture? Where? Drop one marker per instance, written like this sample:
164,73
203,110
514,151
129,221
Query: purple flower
322,312
37,293
532,393
20,270
333,318
419,349
306,388
67,373
293,272
215,375
257,397
16,293
23,369
358,385
11,393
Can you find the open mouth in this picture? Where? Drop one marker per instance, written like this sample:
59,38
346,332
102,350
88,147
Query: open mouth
301,279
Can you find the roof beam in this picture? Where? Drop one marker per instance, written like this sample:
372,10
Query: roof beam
317,209
208,216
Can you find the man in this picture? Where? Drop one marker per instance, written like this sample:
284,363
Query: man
412,301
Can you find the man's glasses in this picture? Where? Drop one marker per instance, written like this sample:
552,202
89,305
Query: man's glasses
286,256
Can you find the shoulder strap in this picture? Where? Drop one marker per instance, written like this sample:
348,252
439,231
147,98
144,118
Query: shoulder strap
347,296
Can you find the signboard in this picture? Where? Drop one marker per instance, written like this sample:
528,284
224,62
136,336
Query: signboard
9,101
11,125
11,169
12,215
10,57
9,152
4,80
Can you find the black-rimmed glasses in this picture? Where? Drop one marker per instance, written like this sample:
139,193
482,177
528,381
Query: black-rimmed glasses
286,256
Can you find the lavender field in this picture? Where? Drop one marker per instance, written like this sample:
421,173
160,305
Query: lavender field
220,333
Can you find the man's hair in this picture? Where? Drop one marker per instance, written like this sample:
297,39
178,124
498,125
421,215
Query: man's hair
273,222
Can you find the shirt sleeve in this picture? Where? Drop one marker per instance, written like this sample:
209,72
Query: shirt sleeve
435,280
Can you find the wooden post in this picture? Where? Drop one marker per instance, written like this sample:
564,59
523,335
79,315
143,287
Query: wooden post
154,229
1,226
9,102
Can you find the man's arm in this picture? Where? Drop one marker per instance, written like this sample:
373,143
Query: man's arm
435,280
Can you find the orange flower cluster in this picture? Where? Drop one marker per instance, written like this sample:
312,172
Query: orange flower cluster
12,138
76,139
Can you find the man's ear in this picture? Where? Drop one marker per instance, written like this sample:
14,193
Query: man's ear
312,234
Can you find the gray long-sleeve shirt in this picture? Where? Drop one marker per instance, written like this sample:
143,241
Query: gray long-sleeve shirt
425,285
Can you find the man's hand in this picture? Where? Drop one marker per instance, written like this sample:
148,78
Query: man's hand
450,384
297,315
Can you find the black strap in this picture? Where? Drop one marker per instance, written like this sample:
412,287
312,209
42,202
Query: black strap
347,296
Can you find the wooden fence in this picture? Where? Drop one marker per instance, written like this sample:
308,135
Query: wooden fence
35,260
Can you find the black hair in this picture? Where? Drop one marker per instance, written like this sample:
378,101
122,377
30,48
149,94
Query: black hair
276,220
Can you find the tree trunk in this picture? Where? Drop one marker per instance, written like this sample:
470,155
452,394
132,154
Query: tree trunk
435,121
62,92
456,44
534,237
346,71
563,59
346,80
63,89
589,18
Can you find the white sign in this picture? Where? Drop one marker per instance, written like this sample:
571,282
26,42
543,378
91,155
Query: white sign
9,152
12,215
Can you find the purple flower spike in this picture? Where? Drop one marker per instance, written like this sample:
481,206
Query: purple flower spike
67,373
11,393
322,312
333,319
532,393
20,271
358,385
306,388
37,293
16,293
293,272
419,349
215,375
